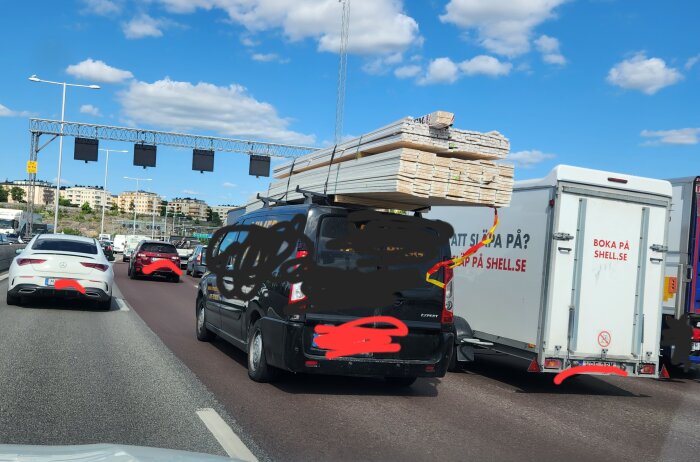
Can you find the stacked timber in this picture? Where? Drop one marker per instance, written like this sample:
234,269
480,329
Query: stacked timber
409,164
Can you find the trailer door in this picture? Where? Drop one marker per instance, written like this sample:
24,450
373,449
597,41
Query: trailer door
613,277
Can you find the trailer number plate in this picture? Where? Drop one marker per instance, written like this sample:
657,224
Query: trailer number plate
599,363
696,346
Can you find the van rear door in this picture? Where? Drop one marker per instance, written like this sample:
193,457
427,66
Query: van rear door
615,245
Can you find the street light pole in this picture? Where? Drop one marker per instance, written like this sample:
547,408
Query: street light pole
34,78
104,190
137,190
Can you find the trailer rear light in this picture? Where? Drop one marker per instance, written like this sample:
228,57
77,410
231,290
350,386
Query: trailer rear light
534,367
97,266
617,180
448,297
664,373
648,369
29,261
696,334
430,368
311,363
552,363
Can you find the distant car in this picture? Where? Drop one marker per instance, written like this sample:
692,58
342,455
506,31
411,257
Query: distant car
197,263
147,252
4,240
185,247
14,238
49,258
108,249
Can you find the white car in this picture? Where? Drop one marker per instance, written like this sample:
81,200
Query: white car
60,265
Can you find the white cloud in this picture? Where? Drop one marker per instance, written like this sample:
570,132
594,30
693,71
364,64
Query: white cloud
677,136
502,26
440,70
692,62
143,26
7,112
406,72
269,57
528,159
98,71
486,65
63,181
191,192
549,47
204,106
377,27
90,109
102,7
249,42
381,64
228,184
646,75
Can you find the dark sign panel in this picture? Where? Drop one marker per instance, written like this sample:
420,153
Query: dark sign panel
144,155
203,160
85,149
259,165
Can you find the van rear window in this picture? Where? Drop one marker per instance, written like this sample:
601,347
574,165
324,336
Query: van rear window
65,245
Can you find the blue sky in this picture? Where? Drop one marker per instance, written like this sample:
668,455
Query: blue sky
608,84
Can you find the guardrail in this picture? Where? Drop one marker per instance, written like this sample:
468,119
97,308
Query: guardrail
7,254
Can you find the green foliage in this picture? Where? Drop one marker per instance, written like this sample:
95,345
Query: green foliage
3,194
86,207
71,231
114,207
17,193
64,202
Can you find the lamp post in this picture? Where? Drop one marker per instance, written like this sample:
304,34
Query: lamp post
137,191
104,188
34,78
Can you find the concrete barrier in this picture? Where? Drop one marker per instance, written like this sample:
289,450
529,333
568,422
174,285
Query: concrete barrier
7,253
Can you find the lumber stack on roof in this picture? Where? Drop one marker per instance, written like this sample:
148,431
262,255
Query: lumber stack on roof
410,164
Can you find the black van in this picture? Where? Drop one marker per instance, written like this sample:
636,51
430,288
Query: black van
279,271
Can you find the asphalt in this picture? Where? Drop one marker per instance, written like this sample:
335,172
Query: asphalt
70,374
494,411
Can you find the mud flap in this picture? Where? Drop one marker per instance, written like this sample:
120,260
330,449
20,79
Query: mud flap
274,341
465,352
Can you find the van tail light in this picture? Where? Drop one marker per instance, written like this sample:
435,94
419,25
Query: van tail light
552,363
29,261
295,293
97,266
647,369
534,367
448,297
199,258
696,334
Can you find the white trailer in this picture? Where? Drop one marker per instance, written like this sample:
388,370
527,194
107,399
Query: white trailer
573,277
16,221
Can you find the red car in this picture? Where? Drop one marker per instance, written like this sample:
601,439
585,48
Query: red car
147,252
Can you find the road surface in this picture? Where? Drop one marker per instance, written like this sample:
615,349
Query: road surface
138,377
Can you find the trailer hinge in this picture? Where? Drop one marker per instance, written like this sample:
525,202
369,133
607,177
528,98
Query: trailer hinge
659,248
562,236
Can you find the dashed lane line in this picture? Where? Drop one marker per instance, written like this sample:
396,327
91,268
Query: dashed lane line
226,437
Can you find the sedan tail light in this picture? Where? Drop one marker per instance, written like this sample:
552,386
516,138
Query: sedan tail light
97,266
29,261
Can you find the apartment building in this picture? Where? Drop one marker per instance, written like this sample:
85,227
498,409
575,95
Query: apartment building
145,203
95,196
43,191
193,208
222,211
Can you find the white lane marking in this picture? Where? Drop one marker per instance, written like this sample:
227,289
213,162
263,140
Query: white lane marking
4,276
122,305
228,440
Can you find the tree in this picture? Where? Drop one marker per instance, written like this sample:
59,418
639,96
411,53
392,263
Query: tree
131,206
3,194
64,202
163,207
17,193
114,207
86,207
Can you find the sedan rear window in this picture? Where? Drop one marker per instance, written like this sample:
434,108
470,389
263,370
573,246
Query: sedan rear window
65,245
158,248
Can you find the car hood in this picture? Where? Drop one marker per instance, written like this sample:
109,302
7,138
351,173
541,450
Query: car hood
101,453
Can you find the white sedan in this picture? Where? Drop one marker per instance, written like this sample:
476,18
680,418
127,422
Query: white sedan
60,265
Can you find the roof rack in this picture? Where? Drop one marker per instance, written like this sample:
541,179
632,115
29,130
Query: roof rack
267,200
310,195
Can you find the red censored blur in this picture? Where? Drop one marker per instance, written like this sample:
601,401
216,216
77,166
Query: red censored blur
61,284
160,264
350,339
563,375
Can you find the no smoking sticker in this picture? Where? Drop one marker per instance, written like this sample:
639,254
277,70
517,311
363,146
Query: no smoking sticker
604,339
